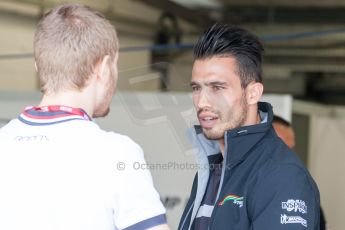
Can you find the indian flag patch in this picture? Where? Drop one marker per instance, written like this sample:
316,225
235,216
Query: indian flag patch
235,199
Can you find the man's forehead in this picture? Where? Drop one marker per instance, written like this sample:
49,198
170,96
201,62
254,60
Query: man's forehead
215,67
212,78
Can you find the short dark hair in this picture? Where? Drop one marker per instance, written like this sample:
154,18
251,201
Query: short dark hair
279,120
230,41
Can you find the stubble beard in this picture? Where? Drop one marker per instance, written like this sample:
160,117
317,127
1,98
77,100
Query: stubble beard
103,109
228,122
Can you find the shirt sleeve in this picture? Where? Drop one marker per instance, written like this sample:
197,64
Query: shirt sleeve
137,203
287,198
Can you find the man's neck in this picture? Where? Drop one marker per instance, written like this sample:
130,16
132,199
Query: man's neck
221,142
71,99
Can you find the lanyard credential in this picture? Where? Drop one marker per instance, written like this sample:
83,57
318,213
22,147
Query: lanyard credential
61,108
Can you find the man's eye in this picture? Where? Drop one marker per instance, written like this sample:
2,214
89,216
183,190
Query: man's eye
216,87
195,88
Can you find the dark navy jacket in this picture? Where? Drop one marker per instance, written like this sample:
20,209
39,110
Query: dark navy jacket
263,186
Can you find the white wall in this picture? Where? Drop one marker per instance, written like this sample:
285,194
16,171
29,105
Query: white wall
327,157
16,38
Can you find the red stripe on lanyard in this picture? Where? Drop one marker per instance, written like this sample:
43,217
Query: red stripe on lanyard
61,108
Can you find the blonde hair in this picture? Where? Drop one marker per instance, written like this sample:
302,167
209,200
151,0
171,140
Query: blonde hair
70,39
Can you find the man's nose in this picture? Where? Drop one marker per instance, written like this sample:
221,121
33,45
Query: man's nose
204,99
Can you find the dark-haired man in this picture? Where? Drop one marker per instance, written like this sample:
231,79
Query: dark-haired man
248,178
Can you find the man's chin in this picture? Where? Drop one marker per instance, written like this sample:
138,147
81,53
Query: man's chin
213,135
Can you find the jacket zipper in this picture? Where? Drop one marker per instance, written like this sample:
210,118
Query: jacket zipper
185,218
225,155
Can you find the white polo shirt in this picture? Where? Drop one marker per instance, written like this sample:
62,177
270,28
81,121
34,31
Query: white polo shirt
60,171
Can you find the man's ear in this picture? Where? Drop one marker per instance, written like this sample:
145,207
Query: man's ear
102,69
254,92
36,67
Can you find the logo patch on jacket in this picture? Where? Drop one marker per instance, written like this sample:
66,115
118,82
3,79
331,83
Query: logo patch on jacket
295,205
284,219
235,199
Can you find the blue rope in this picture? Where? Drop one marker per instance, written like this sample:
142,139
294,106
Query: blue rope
267,38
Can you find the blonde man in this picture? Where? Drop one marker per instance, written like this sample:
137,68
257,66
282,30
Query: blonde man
58,169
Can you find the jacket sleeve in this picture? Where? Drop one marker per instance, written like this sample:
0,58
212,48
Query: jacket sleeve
286,198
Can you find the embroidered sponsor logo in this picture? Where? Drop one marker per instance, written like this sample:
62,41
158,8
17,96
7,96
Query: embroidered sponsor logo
284,219
36,138
235,199
295,205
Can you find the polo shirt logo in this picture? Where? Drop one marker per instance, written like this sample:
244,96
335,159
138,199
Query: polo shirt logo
235,199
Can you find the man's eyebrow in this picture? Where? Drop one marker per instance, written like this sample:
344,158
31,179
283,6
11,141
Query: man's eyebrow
193,83
216,83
